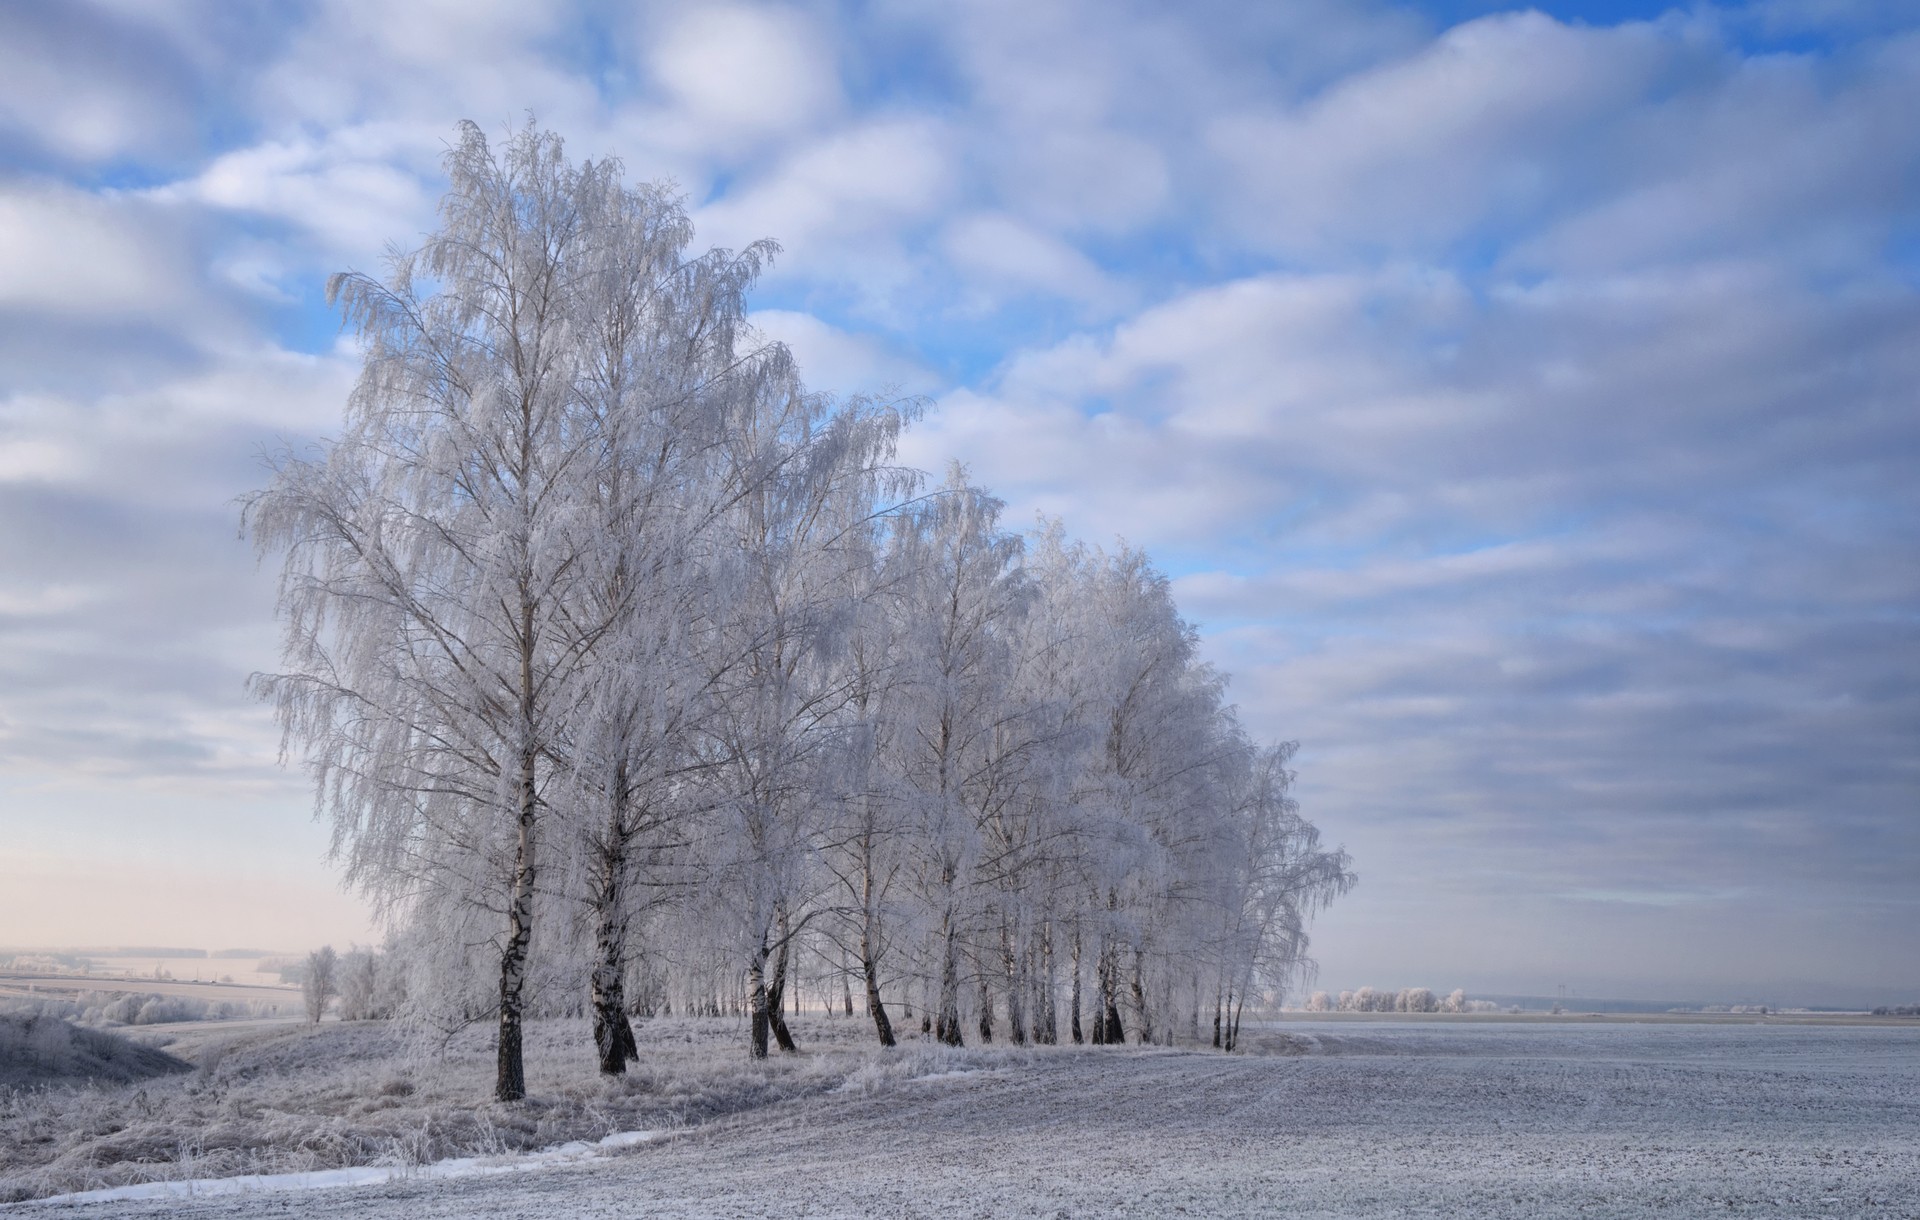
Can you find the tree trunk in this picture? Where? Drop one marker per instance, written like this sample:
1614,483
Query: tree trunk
1046,1027
986,1008
757,989
510,1075
1219,987
1108,1031
776,991
1078,1036
875,1008
612,1033
947,1026
1193,1027
1140,1003
1016,984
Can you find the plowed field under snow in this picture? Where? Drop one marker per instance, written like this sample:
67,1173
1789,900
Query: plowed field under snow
1481,1119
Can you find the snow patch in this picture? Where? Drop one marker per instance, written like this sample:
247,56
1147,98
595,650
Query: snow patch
362,1175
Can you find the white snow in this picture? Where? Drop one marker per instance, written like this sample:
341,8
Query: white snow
1501,1120
361,1175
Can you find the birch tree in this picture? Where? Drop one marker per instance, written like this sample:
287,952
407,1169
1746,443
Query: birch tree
809,481
666,370
433,554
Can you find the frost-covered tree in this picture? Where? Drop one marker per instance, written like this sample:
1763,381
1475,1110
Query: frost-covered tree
371,985
435,553
1276,876
958,732
669,375
632,675
321,982
793,550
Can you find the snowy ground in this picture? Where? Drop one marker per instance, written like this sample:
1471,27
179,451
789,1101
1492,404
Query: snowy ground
1403,1118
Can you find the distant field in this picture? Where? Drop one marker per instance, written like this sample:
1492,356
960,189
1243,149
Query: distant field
1503,1119
30,984
1572,1017
186,969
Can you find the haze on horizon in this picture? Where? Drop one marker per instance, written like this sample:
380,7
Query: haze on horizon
1523,401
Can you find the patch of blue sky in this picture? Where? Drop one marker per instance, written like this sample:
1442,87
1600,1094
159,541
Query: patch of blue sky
1174,254
961,347
597,50
1901,251
889,65
1448,13
306,323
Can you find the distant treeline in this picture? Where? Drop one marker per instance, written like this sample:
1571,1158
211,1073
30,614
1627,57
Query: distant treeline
97,1008
138,951
1407,999
79,957
1897,1010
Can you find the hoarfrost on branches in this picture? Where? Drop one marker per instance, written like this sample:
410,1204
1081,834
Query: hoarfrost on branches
634,676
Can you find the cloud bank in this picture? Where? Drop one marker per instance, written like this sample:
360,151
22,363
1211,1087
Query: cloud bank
1524,405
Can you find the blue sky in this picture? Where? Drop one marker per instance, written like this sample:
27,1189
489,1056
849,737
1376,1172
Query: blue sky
1524,402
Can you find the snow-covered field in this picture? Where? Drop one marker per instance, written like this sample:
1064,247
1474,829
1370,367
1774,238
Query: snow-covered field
1395,1118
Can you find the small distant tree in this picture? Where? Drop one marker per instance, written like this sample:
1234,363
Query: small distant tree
322,982
1318,1002
1456,1001
370,985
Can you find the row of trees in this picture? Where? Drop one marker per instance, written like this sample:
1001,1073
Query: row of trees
369,984
625,665
1408,999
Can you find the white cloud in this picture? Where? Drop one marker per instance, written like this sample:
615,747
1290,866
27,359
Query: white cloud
425,62
68,252
1478,126
39,460
1555,487
1773,157
996,252
842,206
353,191
745,74
89,86
840,363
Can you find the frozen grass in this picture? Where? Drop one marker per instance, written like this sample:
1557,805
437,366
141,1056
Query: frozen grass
42,1051
1506,1120
296,1099
1501,1121
139,1008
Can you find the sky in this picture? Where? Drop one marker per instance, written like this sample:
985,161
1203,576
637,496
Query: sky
1522,400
